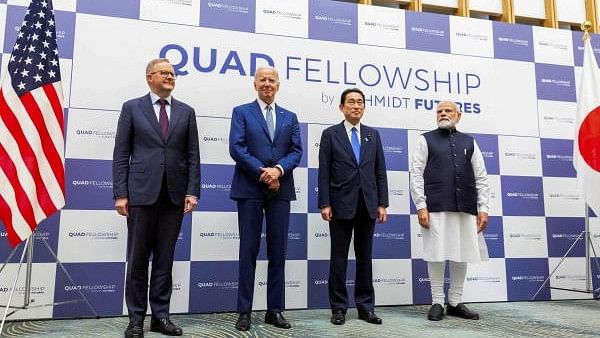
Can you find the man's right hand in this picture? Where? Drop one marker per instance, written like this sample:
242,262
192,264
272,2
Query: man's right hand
326,213
423,216
122,206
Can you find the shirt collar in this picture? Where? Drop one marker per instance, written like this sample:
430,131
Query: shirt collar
349,126
263,105
154,98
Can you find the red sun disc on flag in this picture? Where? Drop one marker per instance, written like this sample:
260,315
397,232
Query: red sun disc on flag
589,139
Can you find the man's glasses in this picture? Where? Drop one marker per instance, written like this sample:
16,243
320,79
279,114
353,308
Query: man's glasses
165,74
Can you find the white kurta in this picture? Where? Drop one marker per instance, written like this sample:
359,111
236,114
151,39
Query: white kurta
451,235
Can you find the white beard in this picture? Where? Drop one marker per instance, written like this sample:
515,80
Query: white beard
446,124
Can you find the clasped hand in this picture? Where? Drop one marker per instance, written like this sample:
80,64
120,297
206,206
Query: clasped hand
270,176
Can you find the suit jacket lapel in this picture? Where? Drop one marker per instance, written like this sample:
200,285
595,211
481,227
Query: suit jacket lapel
365,141
279,121
148,110
342,137
257,113
175,117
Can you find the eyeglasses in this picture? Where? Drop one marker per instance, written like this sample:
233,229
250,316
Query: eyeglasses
165,74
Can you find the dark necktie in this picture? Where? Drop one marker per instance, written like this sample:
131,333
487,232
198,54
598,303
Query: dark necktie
163,120
355,144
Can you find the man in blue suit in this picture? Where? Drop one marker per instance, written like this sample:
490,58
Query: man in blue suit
264,142
156,179
353,193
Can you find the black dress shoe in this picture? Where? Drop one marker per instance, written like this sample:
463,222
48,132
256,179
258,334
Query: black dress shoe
276,319
370,317
135,329
436,312
243,322
461,311
338,317
165,326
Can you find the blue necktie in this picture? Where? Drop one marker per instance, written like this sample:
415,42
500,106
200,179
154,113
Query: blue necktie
270,123
355,144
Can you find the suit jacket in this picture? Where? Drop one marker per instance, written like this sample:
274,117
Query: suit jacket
341,177
141,157
251,148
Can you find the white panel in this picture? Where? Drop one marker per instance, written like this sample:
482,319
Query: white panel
519,156
309,67
43,276
282,17
495,195
318,240
213,137
296,290
296,284
91,134
486,282
180,298
569,275
530,8
557,119
471,36
398,192
392,281
443,3
525,237
300,205
487,6
215,236
570,11
562,198
103,234
63,5
554,46
380,26
185,12
416,238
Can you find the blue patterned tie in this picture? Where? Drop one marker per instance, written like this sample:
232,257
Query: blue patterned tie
355,144
270,123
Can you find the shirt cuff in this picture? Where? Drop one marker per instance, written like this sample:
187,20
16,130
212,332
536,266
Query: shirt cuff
278,166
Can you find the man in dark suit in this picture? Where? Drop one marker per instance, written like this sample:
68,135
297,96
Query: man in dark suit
353,193
264,141
156,179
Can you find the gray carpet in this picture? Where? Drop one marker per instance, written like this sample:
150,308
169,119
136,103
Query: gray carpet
519,319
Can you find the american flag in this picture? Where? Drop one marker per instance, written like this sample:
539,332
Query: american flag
32,172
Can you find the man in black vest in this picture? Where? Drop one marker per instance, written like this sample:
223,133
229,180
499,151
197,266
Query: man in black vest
448,184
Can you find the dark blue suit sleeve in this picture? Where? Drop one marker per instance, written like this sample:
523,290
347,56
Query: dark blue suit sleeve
291,160
381,175
122,152
238,147
324,169
193,157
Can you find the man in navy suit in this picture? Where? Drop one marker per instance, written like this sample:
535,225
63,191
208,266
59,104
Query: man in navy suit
156,179
264,142
353,193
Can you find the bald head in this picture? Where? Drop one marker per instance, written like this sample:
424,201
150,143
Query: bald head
447,114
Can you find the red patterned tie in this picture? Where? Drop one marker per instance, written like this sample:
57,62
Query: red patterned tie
163,120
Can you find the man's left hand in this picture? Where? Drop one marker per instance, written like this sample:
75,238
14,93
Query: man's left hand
482,221
269,175
190,203
381,215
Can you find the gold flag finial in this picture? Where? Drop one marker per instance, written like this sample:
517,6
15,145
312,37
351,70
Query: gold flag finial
586,27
